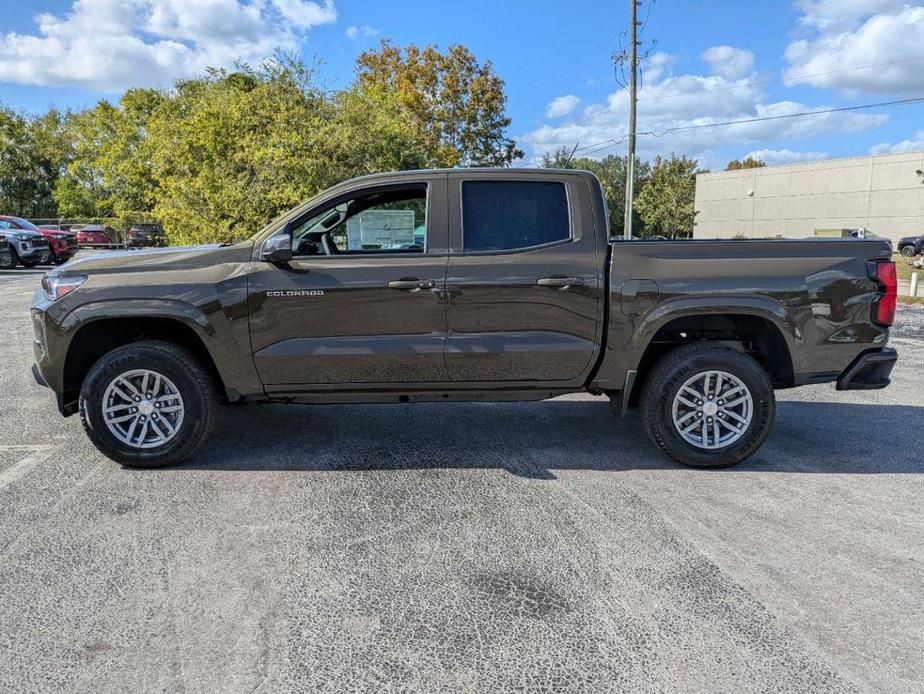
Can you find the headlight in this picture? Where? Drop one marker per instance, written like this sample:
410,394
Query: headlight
23,237
60,237
57,286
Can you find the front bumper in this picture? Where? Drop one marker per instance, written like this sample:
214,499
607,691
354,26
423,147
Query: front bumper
31,253
869,371
65,253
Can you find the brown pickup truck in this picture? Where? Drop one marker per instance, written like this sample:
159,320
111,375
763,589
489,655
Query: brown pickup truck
461,285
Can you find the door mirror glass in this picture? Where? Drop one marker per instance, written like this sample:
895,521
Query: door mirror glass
278,248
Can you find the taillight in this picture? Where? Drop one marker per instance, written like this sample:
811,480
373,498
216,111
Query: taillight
886,277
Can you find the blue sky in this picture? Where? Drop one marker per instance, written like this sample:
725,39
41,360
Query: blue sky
714,61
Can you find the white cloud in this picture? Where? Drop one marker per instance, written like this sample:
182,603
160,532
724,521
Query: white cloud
305,14
728,61
785,156
109,45
873,46
836,15
655,65
354,33
674,104
562,106
913,144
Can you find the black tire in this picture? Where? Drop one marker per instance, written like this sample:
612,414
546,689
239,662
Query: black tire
8,260
672,372
193,382
909,251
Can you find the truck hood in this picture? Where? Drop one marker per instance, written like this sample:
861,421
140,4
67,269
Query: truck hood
153,259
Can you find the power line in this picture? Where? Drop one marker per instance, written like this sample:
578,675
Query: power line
804,114
612,142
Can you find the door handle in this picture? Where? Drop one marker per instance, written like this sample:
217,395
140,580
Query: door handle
560,281
411,284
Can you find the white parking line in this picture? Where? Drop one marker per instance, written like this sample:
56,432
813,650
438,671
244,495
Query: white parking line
35,455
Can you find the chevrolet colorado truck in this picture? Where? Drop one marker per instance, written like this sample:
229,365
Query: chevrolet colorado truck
459,285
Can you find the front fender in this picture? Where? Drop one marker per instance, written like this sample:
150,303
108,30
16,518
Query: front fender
224,337
173,309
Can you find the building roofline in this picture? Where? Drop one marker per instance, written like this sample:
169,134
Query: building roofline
815,163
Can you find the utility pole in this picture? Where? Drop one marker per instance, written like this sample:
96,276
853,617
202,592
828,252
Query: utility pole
633,88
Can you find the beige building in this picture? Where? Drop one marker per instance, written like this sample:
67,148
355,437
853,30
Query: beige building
883,194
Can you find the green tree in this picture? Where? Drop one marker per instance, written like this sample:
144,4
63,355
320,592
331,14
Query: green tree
231,150
218,156
109,167
31,160
611,170
746,163
456,103
667,200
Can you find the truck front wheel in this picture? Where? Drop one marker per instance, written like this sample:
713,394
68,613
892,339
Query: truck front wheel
148,404
707,405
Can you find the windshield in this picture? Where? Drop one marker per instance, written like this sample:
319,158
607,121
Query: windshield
25,224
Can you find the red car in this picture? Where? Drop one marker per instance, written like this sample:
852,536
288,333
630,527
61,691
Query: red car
61,243
95,235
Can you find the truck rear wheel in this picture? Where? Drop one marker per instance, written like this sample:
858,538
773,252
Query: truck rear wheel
707,405
148,404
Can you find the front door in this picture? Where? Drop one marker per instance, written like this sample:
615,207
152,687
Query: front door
524,281
361,302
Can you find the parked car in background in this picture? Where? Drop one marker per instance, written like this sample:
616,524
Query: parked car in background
146,235
96,235
26,243
910,246
61,243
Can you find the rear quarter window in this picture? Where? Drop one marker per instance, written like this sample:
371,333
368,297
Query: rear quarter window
511,215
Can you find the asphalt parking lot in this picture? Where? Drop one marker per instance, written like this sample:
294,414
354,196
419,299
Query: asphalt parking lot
464,547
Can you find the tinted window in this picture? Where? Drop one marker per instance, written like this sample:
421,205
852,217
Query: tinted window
506,215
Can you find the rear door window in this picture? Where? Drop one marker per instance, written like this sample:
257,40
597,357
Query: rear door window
513,215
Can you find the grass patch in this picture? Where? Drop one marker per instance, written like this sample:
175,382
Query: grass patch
911,300
904,268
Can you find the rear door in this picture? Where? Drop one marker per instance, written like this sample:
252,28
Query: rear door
525,278
361,302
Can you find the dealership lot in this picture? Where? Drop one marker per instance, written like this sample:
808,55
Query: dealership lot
465,547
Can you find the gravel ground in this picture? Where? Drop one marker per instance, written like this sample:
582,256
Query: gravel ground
467,547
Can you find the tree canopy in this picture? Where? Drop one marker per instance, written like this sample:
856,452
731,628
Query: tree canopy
611,170
216,157
746,163
667,201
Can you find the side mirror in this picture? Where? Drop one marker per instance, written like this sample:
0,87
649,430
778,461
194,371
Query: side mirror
278,248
